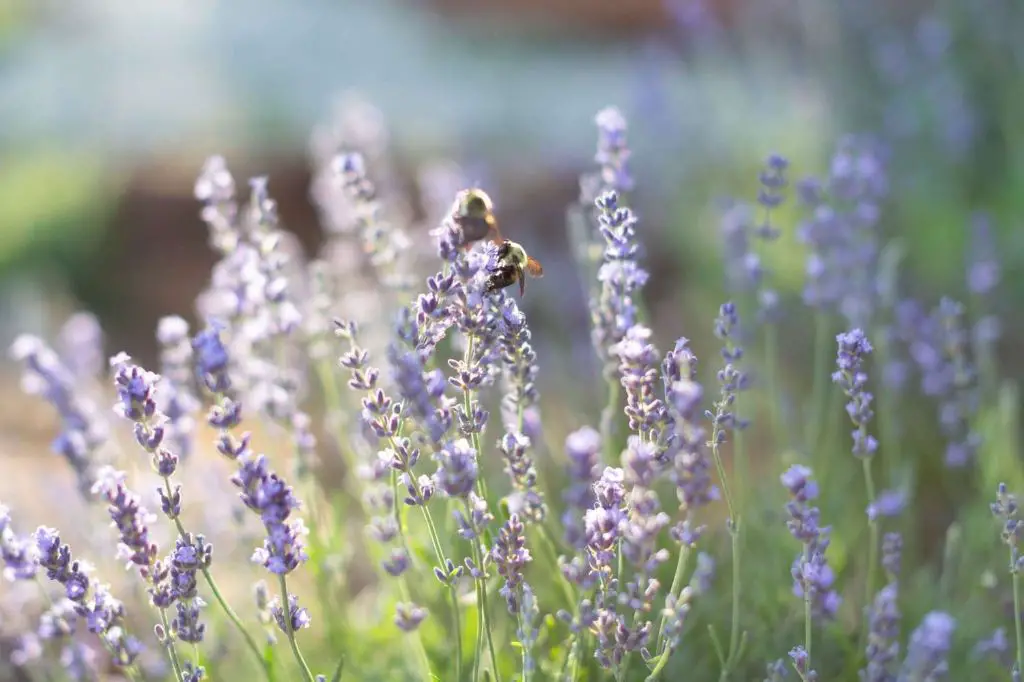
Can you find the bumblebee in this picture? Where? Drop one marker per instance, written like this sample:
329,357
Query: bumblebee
513,266
474,214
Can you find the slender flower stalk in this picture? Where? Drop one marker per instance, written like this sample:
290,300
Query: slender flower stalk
614,310
746,274
381,418
724,420
212,366
1005,509
132,522
690,469
841,233
812,576
677,608
854,348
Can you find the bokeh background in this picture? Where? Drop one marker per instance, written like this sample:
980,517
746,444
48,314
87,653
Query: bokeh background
109,108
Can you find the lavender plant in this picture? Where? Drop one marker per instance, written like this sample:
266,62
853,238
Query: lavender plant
444,544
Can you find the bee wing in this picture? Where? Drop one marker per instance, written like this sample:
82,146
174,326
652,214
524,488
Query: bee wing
493,233
533,267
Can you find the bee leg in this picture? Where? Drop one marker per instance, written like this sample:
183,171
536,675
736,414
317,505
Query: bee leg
521,276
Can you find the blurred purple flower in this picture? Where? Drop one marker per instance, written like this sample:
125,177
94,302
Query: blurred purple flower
928,648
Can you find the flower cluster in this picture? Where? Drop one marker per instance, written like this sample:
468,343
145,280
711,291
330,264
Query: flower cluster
883,646
813,578
731,378
614,311
102,614
928,648
741,232
176,393
841,231
854,347
82,432
421,458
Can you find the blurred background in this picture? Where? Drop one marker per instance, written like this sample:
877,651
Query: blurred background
108,110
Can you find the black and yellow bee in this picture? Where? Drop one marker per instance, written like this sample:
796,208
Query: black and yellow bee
474,214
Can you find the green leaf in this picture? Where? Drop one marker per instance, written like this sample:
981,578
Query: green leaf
999,458
717,645
338,669
268,658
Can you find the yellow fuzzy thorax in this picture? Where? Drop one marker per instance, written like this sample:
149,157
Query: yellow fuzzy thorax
516,255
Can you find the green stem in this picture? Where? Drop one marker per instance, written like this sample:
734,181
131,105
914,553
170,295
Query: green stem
886,415
734,631
549,548
771,353
869,482
478,654
421,651
443,564
468,397
333,398
662,662
574,656
487,629
822,345
172,654
807,614
483,615
720,468
1016,611
525,654
286,610
734,528
457,634
677,585
232,616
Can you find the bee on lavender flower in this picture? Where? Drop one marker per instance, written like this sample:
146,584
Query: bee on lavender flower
474,214
513,265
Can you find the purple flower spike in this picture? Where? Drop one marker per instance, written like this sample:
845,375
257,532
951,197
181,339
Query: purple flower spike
811,572
854,347
928,648
510,556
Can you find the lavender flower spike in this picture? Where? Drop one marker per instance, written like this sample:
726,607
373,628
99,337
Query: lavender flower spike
1005,509
266,494
854,347
83,432
510,556
18,555
614,311
883,646
812,576
612,150
928,648
102,613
